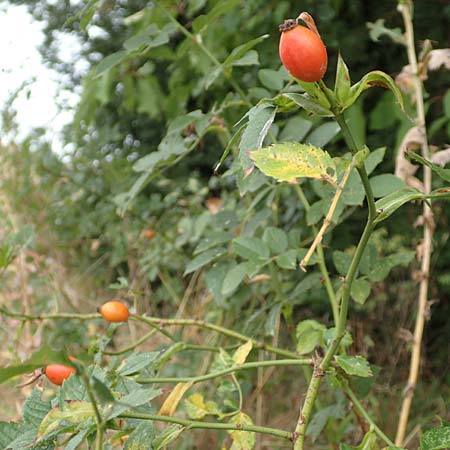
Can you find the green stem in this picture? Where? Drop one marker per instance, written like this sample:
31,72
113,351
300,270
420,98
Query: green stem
361,410
221,373
54,316
191,424
132,346
322,366
217,328
155,326
98,418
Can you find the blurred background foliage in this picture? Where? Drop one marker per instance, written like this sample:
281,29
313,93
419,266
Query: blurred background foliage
167,84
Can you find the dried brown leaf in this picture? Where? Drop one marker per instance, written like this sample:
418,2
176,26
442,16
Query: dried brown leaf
405,170
441,158
439,58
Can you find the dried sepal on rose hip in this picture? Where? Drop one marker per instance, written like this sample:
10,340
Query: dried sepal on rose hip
114,311
302,51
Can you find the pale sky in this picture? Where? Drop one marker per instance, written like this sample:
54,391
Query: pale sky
21,62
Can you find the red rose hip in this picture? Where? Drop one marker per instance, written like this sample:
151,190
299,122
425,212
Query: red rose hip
302,52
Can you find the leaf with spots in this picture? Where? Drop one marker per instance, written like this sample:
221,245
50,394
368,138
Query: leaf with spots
242,440
354,365
289,161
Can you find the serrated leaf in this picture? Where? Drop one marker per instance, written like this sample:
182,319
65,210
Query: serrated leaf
354,365
136,362
276,239
24,440
171,402
360,290
241,353
141,437
35,409
290,160
9,431
436,438
371,79
330,334
135,398
309,335
251,248
242,440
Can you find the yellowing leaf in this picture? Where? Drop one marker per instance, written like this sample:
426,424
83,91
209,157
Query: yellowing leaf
290,160
171,402
197,408
240,355
75,412
242,440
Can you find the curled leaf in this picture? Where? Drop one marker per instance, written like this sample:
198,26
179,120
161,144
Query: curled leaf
170,404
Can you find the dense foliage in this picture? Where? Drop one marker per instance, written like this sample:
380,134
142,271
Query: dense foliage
172,89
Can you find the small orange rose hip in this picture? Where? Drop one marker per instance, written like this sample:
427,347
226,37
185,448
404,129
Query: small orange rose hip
57,373
114,311
149,234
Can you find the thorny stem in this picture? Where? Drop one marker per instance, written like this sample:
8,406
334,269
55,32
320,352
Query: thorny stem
229,370
217,328
405,9
321,366
158,323
191,424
